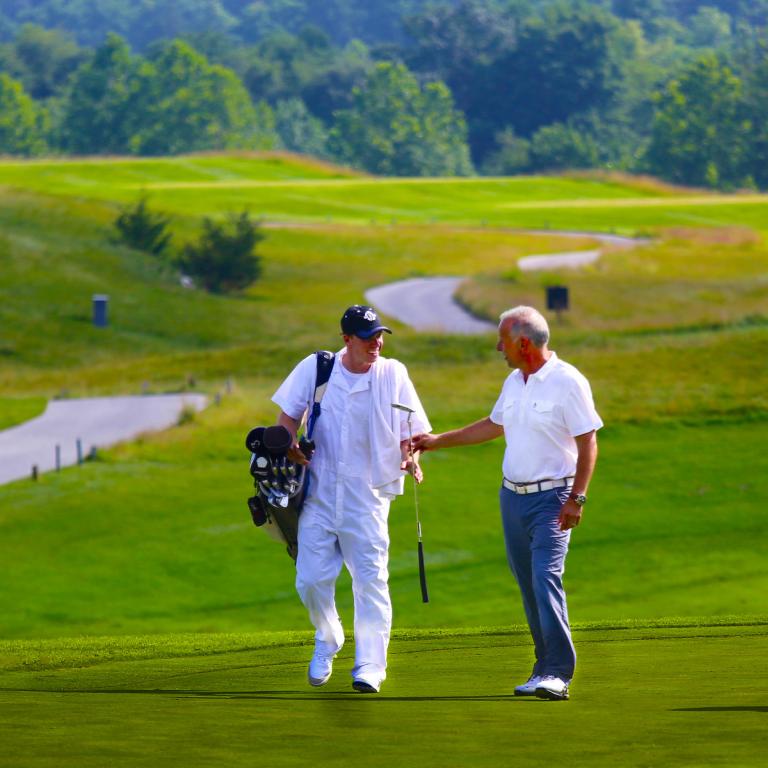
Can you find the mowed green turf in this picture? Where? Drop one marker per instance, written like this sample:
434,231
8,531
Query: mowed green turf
154,537
685,695
170,511
281,188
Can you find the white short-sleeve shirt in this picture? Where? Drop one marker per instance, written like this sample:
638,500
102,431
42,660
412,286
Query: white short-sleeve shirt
344,443
541,418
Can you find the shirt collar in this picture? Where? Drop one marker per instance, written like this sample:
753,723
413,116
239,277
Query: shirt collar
360,381
543,372
547,368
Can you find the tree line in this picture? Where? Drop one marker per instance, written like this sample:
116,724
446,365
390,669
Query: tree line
675,88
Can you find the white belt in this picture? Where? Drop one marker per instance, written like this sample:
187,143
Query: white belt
539,485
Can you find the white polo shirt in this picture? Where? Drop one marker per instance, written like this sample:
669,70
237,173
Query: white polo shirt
345,443
541,418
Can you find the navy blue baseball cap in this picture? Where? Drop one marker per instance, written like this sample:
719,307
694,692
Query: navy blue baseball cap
362,321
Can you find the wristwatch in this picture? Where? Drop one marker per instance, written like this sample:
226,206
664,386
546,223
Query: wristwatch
579,498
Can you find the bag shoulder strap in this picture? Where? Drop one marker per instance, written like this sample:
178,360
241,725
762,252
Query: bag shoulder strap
325,361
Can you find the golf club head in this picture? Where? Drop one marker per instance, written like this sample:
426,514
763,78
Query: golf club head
406,408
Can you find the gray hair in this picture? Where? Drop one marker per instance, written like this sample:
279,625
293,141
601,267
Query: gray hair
529,322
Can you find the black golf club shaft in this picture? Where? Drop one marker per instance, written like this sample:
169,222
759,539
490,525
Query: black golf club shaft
422,569
423,575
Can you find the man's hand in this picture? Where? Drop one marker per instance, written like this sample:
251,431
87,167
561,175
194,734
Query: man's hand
294,453
424,442
570,515
412,467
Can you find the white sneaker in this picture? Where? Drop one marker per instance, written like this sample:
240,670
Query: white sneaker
528,688
320,668
551,687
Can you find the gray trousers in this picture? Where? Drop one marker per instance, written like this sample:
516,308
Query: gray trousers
536,550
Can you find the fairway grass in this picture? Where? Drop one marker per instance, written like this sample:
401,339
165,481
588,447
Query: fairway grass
285,188
687,694
154,537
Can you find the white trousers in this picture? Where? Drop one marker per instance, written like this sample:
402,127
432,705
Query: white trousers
344,521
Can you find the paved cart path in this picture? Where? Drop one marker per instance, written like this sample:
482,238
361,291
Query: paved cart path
96,422
428,304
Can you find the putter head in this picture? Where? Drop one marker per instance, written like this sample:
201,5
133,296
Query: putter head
401,407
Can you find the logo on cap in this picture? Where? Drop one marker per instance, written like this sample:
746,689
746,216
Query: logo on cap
362,321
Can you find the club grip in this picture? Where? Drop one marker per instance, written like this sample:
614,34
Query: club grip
423,575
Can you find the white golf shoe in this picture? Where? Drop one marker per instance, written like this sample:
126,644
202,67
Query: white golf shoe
553,688
528,688
320,668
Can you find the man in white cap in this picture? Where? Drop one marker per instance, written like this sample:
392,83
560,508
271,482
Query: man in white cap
357,468
546,413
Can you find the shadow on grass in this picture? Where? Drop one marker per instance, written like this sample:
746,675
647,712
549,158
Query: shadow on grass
307,696
722,709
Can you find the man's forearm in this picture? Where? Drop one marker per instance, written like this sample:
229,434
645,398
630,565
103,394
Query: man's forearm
478,432
292,425
585,463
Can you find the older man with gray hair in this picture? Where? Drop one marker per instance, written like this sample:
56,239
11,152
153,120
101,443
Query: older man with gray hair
548,418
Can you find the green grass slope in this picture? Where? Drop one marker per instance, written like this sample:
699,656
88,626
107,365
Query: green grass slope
281,188
651,695
155,536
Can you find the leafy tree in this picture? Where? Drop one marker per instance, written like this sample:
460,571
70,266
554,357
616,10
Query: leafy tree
156,20
756,106
104,104
341,20
225,258
42,60
140,21
298,130
460,45
701,133
710,28
330,86
396,127
22,123
562,146
173,102
193,106
142,230
284,63
451,43
512,155
561,66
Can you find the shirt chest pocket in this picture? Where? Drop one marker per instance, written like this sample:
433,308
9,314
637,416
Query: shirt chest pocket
511,413
542,413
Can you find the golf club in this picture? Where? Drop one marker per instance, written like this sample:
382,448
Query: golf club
422,571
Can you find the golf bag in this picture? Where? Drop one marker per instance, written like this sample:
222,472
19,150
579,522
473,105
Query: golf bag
281,484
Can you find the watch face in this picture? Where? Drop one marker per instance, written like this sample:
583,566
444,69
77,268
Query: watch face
579,498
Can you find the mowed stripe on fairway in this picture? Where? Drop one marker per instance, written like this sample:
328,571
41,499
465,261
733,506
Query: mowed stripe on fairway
673,696
485,183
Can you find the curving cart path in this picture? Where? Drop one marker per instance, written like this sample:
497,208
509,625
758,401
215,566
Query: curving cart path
97,422
428,304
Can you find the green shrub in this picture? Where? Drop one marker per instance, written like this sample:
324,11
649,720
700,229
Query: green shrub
224,259
140,229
